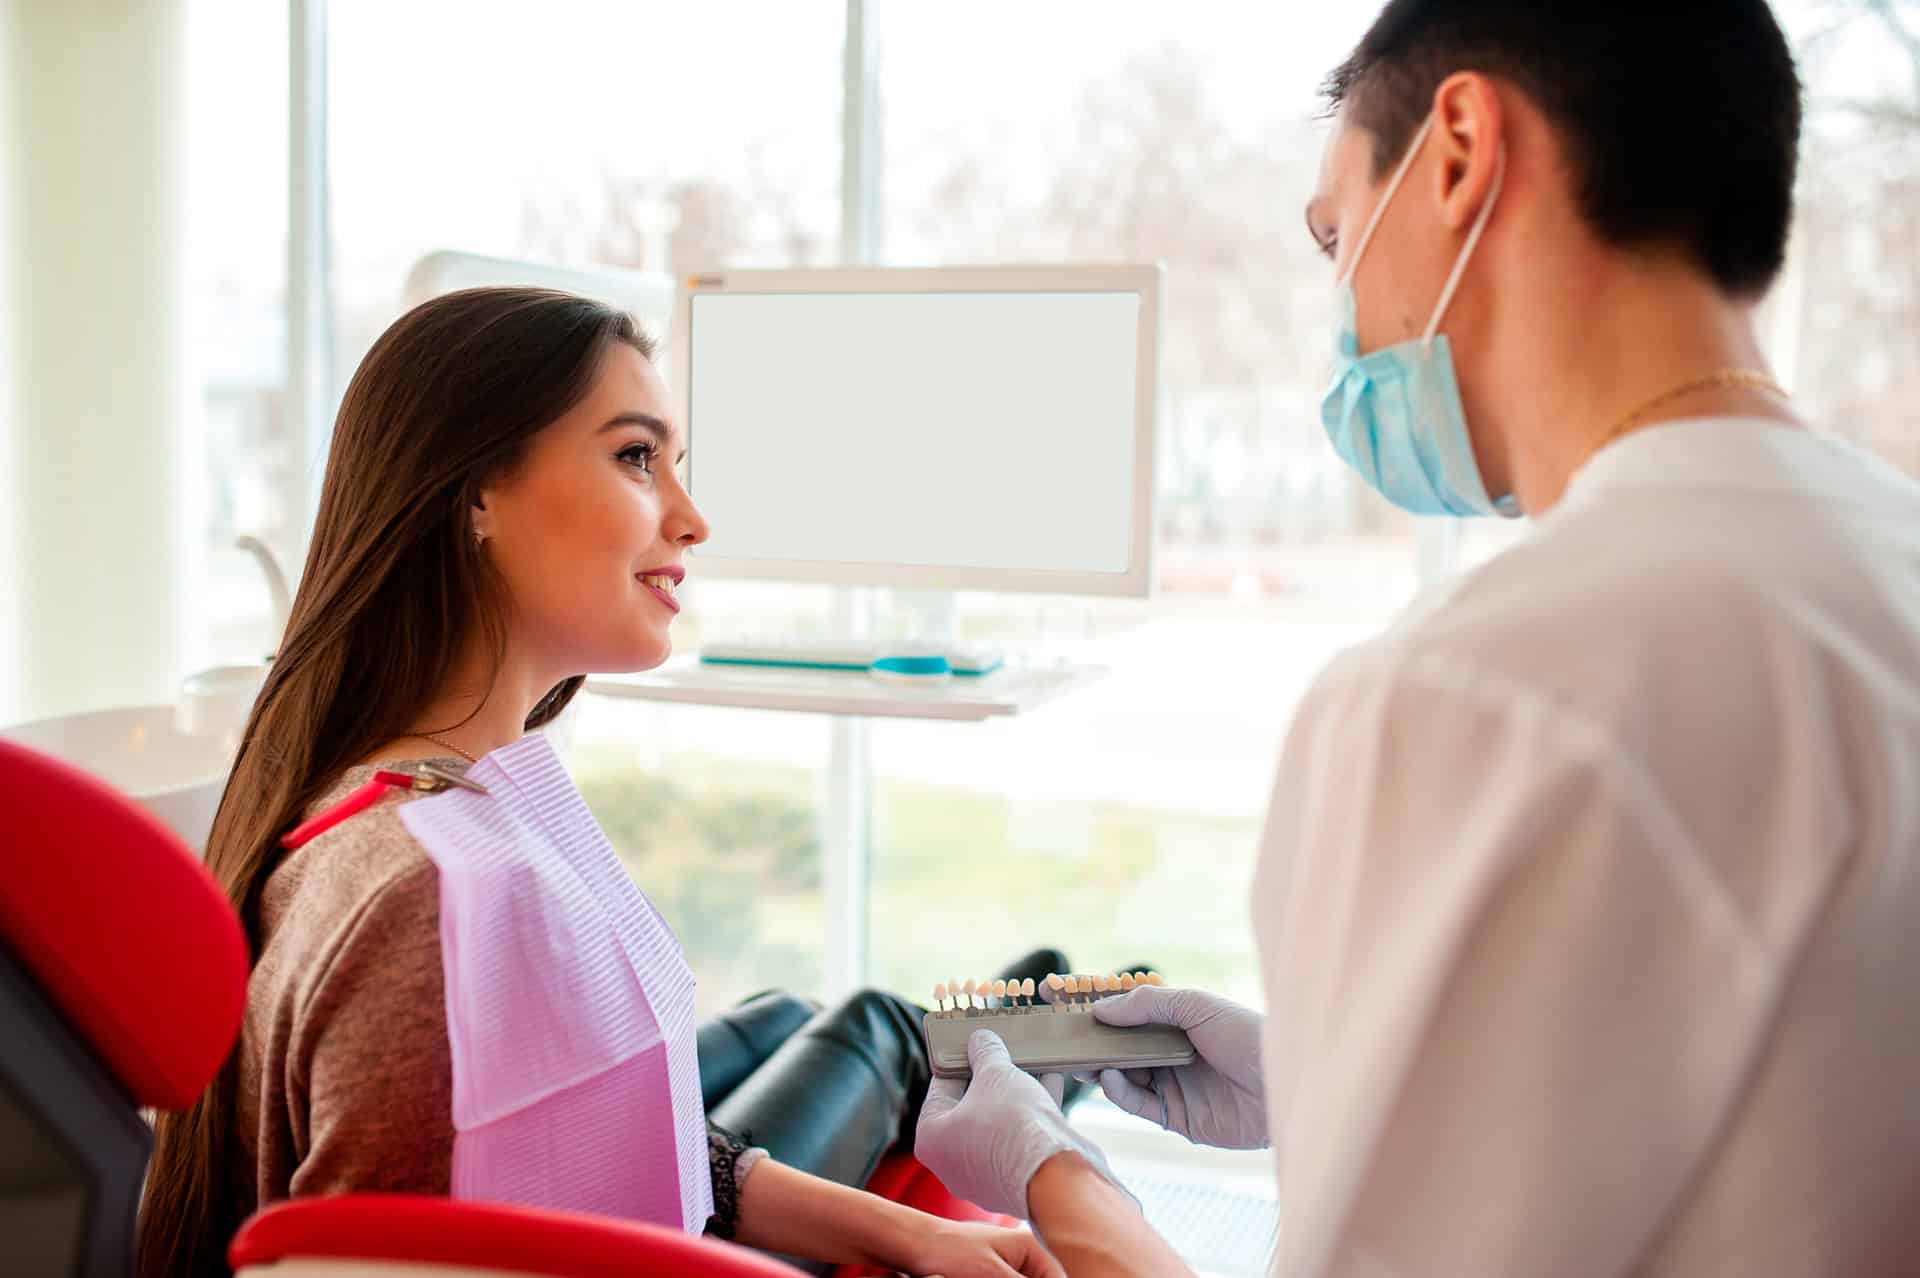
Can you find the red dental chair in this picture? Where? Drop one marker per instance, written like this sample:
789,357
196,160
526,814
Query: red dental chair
122,981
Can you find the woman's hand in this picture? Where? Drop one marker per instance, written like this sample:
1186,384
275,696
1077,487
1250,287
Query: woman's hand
954,1250
785,1210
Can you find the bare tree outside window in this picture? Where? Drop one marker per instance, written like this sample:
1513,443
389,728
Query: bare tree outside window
1859,235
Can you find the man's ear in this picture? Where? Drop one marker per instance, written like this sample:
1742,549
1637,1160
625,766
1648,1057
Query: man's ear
1468,132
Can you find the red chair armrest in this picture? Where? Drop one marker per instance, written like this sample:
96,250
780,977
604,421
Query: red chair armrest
443,1231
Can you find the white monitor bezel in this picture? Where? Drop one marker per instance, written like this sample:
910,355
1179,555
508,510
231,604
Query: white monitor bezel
1137,581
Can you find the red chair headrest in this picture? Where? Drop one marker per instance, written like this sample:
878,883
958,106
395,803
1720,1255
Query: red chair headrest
121,925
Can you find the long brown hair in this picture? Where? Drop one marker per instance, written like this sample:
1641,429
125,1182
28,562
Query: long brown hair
394,589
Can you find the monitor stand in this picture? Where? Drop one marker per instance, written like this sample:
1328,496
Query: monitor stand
931,649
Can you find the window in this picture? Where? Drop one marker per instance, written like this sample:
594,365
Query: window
647,135
1843,324
1121,825
237,265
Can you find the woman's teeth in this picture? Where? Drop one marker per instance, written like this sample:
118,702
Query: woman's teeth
663,584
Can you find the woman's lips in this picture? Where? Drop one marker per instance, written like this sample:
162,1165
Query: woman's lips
662,588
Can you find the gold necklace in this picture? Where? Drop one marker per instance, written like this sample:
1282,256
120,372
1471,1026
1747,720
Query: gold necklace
1718,379
428,736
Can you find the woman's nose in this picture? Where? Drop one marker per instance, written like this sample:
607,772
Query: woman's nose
687,526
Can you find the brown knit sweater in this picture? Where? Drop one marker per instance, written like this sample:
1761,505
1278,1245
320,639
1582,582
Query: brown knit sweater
346,1078
346,1075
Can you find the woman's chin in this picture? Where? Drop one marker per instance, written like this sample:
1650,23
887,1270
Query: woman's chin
647,656
635,649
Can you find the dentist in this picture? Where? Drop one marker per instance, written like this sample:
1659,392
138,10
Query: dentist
1588,905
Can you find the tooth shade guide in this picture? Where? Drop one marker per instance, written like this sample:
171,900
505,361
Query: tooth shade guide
1054,1039
1027,988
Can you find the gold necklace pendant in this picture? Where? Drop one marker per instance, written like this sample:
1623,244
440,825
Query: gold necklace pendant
1718,379
428,736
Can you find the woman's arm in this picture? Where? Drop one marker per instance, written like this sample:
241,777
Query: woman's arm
370,1068
788,1211
1093,1228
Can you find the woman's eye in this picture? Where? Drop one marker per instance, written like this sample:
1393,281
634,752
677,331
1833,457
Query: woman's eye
639,456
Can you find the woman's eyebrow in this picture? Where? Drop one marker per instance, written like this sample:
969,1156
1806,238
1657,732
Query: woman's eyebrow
646,421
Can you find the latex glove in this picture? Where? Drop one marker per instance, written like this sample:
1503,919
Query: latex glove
986,1137
984,1251
1221,1098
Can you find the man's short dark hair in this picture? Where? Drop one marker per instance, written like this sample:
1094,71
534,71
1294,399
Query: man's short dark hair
1680,120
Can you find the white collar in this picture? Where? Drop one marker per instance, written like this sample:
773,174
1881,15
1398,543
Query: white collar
1753,454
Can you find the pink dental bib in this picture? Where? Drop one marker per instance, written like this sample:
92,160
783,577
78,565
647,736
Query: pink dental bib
569,1005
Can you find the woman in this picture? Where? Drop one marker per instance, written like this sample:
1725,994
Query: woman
500,516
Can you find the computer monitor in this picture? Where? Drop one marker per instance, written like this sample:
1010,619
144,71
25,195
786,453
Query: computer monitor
980,428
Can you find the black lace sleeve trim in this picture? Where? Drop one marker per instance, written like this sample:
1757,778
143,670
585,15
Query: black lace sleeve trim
723,1154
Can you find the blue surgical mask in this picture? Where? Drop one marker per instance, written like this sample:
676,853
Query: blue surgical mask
1395,414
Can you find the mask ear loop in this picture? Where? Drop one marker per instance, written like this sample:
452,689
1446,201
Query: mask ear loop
1386,198
1466,250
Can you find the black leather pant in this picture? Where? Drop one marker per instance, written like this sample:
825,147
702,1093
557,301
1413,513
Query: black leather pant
827,1092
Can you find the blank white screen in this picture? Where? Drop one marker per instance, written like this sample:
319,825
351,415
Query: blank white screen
974,430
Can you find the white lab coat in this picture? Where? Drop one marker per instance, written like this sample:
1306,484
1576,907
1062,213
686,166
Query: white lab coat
1589,902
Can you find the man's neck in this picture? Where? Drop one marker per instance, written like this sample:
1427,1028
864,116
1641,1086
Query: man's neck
1583,364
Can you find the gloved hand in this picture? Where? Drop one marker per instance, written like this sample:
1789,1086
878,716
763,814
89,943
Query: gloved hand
1220,1099
986,1137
